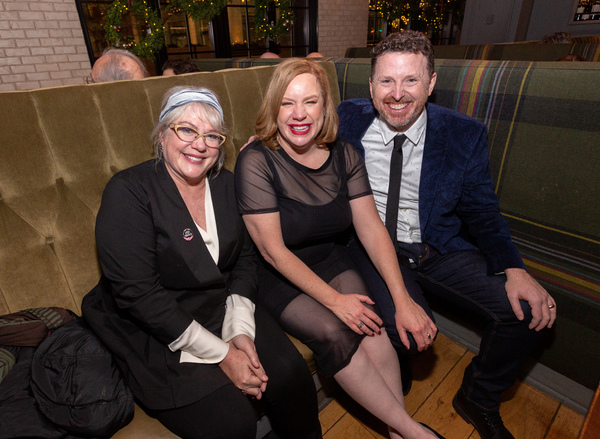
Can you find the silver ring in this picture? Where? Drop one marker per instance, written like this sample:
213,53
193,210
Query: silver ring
551,306
428,336
360,325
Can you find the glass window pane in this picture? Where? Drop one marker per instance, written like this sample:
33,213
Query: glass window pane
238,27
299,32
184,36
95,15
285,52
286,40
376,28
200,36
242,36
175,31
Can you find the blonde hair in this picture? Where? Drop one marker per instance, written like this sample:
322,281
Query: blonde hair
208,112
266,122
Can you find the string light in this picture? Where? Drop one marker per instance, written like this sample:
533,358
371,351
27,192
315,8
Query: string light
273,30
197,10
427,16
148,45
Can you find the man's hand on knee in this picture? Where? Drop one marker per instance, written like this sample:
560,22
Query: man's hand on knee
411,318
520,285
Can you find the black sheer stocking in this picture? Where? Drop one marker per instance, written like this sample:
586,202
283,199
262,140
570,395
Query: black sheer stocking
333,343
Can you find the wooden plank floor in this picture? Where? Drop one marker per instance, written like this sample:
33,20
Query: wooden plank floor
527,412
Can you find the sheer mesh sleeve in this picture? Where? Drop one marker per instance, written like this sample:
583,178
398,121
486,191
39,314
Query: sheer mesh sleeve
356,171
254,182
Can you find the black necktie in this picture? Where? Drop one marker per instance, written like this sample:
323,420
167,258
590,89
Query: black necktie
393,198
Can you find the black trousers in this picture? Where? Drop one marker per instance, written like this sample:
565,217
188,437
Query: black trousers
290,400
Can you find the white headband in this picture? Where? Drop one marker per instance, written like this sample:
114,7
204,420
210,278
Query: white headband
187,96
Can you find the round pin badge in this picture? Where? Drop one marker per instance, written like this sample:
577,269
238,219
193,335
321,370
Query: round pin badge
188,235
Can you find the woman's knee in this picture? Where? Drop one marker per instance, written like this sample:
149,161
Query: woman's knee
229,421
225,413
289,376
239,425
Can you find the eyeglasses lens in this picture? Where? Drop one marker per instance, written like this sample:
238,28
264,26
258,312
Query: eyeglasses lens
188,134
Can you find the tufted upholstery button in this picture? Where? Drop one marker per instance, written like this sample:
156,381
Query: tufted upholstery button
49,240
60,181
114,169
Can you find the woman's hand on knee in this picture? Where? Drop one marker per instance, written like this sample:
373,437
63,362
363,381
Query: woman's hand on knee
240,370
350,309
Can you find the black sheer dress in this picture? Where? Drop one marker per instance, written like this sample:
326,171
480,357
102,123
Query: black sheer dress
315,215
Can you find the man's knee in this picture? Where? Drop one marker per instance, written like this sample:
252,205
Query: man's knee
397,342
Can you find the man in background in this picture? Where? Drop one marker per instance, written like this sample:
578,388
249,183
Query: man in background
115,65
178,66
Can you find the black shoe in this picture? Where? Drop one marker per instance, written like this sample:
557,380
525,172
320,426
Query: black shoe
432,430
489,425
406,373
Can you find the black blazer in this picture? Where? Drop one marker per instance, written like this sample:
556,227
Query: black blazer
158,276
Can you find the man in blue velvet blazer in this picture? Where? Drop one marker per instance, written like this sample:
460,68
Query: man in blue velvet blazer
452,241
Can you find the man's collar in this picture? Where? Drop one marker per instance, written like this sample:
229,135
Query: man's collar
413,134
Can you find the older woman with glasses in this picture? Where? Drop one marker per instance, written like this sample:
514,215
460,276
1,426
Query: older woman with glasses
175,303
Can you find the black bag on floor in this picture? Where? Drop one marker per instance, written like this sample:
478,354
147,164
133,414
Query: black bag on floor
20,417
77,384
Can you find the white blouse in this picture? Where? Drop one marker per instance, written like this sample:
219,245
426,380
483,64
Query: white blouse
197,344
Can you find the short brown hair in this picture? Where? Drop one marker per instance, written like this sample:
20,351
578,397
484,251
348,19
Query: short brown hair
405,41
557,37
181,65
285,72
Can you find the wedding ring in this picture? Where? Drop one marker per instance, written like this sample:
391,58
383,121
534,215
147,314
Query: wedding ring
428,336
360,325
551,306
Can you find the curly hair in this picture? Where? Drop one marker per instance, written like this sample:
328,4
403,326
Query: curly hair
406,41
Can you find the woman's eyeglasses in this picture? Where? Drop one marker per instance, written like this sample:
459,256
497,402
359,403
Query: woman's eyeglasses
187,134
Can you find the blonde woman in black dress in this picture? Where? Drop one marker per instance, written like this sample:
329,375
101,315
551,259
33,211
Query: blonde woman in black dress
300,190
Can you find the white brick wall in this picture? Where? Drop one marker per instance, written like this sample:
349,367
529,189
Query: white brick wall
41,44
342,24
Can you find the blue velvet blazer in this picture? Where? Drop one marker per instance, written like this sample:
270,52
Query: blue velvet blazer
458,208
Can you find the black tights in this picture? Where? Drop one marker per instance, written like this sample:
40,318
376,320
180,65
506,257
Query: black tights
290,400
333,343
